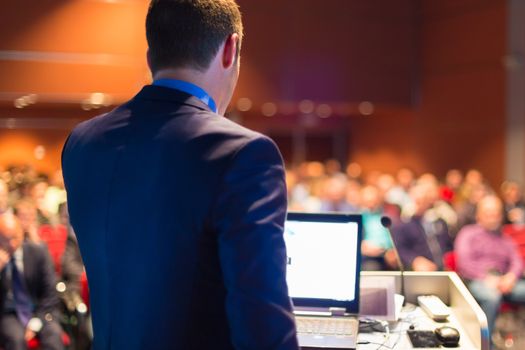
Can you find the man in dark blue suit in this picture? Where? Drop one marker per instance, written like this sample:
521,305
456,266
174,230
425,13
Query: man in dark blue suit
178,211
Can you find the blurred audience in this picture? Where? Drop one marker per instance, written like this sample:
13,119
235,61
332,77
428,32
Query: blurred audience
489,261
36,203
28,299
426,215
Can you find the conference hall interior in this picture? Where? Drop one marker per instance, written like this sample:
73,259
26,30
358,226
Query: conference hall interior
411,109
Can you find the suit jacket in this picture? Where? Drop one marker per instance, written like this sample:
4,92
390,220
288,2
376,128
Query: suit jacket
179,215
40,280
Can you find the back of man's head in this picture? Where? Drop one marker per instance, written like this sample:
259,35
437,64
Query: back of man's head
189,33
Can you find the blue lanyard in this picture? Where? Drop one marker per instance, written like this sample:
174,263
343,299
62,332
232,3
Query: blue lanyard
188,88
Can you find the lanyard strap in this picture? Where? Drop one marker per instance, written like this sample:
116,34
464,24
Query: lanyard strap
188,88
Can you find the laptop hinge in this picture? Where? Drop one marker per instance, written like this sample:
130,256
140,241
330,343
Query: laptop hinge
337,311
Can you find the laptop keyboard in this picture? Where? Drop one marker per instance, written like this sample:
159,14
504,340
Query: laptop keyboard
325,326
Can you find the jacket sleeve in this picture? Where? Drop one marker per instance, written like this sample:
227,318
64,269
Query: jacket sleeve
249,215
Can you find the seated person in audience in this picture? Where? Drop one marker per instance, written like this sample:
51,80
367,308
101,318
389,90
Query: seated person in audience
334,195
332,167
489,261
453,180
423,239
4,197
27,214
55,195
514,205
28,300
353,196
467,209
473,178
398,194
376,248
439,209
385,183
37,192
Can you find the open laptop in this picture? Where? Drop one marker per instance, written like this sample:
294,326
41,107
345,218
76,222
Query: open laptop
324,257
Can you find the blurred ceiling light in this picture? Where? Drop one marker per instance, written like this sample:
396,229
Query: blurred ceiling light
25,100
96,100
20,103
244,104
366,108
324,110
306,106
269,109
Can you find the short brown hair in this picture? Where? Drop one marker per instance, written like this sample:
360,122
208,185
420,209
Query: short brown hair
189,33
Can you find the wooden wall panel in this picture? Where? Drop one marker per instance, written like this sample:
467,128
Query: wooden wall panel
337,50
461,118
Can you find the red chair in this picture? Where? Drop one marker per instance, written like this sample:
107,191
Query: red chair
84,288
34,344
517,234
449,261
55,237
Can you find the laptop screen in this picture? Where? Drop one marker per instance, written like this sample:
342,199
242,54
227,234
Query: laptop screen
323,259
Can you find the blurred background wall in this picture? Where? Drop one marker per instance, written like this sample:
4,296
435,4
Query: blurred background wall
386,84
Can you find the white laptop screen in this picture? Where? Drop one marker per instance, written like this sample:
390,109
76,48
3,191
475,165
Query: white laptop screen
323,258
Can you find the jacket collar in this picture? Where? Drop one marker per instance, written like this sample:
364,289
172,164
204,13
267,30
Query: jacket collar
161,93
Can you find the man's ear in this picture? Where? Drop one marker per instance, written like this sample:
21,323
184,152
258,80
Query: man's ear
229,53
